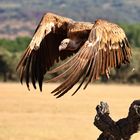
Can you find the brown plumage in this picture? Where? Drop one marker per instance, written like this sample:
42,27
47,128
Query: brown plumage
97,48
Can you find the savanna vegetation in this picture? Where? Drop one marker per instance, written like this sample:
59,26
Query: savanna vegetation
11,51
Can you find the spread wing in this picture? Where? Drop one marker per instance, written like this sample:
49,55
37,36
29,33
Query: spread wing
107,47
43,51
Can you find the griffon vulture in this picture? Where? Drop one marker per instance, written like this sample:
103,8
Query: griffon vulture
96,47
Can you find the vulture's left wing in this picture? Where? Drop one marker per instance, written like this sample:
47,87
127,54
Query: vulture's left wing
107,47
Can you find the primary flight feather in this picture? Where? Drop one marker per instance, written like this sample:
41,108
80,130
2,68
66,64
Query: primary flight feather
97,47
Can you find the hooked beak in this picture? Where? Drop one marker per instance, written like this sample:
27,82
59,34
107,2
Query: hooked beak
61,48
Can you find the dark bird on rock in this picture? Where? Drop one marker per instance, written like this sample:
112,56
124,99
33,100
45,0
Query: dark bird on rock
95,49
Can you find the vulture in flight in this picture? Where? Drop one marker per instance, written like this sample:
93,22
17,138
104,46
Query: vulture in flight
95,49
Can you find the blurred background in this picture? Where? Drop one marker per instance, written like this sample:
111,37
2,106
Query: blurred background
42,116
19,18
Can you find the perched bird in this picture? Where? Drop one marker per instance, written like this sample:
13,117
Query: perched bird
96,48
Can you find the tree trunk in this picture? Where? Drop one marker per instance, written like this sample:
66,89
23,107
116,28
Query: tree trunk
123,128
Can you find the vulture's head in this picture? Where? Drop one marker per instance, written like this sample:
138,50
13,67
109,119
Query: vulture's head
68,44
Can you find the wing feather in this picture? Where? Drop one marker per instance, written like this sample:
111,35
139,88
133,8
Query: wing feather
63,66
89,64
92,68
107,47
33,73
65,73
27,71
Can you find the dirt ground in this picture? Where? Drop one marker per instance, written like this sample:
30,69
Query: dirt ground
29,115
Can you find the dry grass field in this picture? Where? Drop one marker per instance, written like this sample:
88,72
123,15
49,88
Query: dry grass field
30,115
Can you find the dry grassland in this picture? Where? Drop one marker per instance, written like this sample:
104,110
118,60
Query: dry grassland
30,115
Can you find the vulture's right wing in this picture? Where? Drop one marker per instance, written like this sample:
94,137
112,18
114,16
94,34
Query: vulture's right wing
107,47
43,49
